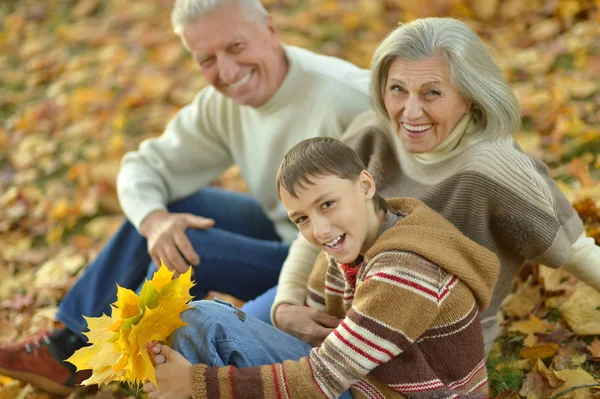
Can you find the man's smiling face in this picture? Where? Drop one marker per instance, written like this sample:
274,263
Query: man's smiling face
241,57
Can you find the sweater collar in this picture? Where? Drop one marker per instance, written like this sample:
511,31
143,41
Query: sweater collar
452,145
282,94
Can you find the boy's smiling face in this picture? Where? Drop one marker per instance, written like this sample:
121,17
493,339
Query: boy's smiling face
335,214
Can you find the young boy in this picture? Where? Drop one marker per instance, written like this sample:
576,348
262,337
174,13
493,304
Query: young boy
408,285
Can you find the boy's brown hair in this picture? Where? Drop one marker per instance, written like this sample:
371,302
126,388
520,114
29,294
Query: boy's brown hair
319,156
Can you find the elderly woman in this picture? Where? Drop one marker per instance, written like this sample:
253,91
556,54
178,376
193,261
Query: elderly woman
452,116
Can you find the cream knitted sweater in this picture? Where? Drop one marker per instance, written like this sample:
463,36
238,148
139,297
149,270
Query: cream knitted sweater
320,96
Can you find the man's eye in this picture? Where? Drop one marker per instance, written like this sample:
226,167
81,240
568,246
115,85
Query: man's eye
206,62
396,88
434,93
236,47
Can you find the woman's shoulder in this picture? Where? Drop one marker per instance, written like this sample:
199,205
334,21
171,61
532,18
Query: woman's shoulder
504,160
503,167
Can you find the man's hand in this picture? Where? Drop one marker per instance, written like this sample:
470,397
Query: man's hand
166,237
307,324
173,374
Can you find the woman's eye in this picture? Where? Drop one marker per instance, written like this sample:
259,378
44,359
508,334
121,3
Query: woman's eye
396,88
434,93
301,219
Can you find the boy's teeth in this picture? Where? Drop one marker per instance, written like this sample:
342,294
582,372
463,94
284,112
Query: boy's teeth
419,128
332,243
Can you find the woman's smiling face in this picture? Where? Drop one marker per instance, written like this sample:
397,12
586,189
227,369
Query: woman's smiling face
423,104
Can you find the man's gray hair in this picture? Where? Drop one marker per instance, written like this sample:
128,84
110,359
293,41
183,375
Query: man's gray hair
185,11
472,70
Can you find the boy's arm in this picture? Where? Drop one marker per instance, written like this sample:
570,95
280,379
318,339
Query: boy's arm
294,275
370,335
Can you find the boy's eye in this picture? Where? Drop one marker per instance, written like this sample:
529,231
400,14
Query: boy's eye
301,219
327,204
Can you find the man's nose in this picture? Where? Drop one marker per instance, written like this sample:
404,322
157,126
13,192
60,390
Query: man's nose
228,69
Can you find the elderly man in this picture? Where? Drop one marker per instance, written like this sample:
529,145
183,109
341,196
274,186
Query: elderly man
263,98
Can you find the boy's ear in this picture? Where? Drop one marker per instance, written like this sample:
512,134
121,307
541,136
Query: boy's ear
367,183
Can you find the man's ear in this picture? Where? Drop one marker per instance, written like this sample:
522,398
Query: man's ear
271,27
367,183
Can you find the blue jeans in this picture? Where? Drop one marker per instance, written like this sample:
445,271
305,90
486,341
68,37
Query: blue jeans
217,336
240,256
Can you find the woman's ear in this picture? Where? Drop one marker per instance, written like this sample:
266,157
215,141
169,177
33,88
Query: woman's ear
367,183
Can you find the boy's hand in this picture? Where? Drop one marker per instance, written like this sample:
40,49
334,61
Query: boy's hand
307,324
173,374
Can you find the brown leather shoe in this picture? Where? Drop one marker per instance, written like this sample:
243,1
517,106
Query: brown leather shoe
32,362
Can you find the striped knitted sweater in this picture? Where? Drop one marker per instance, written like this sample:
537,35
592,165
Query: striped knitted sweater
490,190
432,347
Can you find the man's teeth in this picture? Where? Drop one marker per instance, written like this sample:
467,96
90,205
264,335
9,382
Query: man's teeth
240,82
332,243
419,128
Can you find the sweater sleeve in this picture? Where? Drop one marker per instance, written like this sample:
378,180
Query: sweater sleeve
187,156
529,212
584,261
294,274
371,334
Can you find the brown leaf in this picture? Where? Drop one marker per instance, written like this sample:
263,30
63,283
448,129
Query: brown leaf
552,379
594,349
535,386
582,311
522,302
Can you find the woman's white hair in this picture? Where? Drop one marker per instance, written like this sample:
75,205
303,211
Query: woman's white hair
185,11
472,70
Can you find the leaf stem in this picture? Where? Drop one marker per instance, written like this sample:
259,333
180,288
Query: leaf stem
574,388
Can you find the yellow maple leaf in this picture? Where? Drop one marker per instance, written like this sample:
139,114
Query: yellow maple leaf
117,350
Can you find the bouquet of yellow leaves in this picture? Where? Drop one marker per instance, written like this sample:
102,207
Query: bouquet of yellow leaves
118,342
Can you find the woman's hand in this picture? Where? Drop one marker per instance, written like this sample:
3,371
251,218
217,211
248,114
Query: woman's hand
173,374
307,324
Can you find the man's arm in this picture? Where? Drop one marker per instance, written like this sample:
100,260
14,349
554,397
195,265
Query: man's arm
187,156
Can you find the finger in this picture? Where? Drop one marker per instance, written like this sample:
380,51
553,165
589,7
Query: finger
325,319
167,351
158,359
186,248
176,261
149,387
319,335
198,222
153,347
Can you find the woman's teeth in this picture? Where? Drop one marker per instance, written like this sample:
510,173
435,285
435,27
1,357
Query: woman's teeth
416,128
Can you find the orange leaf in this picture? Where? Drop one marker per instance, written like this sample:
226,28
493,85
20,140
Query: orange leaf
541,351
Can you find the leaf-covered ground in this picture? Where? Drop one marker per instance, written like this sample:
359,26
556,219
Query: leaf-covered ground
83,82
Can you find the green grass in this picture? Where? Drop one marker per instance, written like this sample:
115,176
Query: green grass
503,375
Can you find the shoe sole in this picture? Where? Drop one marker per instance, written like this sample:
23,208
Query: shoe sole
39,381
